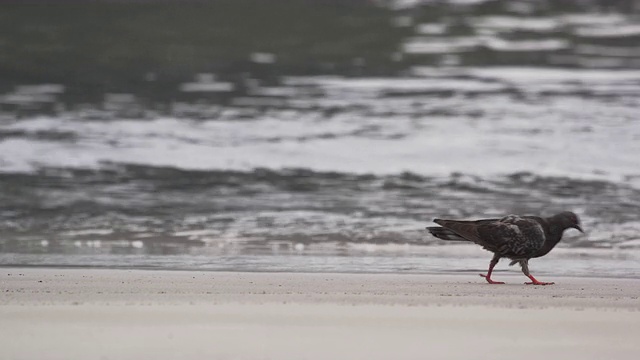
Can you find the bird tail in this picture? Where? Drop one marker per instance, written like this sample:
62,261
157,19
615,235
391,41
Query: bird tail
445,234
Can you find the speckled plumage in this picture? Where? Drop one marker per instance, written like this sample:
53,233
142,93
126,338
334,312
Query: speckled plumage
518,238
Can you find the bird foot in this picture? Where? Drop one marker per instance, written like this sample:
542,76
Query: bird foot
535,281
491,281
539,283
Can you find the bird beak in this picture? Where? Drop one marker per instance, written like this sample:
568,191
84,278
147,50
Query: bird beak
577,227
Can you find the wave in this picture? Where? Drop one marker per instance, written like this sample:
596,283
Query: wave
168,208
379,126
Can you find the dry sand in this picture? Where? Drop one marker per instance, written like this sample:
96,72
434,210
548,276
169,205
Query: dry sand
136,314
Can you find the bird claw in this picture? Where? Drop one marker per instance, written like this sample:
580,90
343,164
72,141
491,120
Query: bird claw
491,281
539,283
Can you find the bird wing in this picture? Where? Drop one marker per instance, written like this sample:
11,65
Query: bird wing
468,230
510,236
513,236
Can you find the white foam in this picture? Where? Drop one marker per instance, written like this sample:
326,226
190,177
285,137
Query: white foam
206,83
431,29
511,23
608,31
523,74
568,136
526,45
441,150
137,244
40,89
373,87
263,58
441,45
592,19
447,45
73,233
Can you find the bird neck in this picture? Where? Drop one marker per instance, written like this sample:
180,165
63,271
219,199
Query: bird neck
552,238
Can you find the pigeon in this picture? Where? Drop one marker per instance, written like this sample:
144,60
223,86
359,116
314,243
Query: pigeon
515,237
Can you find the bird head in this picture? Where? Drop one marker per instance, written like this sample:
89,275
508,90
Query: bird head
569,219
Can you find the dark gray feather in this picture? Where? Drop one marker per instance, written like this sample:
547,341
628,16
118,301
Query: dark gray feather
519,238
513,236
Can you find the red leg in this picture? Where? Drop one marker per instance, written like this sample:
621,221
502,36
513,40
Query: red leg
493,263
536,282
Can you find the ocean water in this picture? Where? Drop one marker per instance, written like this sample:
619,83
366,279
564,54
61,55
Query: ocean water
488,111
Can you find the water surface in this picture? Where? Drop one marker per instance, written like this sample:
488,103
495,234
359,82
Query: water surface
329,150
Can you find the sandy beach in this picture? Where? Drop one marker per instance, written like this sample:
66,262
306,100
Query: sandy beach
138,314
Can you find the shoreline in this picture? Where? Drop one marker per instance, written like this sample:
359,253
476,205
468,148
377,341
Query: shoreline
59,286
52,313
361,259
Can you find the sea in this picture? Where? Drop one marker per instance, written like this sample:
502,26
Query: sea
322,152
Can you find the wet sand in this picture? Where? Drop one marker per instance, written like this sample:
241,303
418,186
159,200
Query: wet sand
137,314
